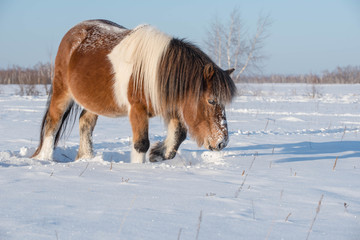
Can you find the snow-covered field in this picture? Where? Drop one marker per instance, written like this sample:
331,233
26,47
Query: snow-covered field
287,152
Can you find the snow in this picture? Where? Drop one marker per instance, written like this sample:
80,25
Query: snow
286,150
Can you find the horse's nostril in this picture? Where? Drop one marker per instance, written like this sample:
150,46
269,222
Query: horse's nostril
221,146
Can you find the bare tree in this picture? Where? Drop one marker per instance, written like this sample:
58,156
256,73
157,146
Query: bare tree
231,47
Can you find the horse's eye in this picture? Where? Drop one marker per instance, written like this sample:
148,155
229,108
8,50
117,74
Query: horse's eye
212,102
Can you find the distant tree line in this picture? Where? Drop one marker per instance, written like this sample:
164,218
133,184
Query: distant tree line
27,78
341,75
42,74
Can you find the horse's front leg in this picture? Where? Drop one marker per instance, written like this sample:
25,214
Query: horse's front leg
167,149
140,124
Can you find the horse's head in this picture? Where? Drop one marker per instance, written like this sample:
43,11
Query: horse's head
206,118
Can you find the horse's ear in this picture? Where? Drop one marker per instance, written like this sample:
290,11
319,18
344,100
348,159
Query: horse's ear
230,71
208,71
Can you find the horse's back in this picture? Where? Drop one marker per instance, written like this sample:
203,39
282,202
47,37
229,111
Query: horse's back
82,66
91,35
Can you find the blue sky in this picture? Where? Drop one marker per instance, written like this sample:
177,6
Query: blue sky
306,36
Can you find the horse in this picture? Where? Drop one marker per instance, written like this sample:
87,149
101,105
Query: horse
102,68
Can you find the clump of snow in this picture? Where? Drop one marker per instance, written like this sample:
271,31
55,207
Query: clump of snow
26,152
290,119
215,158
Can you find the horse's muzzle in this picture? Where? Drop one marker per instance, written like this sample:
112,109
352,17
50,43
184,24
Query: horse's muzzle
219,146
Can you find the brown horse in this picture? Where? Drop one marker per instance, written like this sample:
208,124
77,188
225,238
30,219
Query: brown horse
106,69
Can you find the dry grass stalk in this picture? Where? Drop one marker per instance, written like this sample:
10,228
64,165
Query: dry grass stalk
199,224
267,123
317,212
335,163
287,218
66,156
343,134
252,204
179,234
127,213
255,155
241,186
84,170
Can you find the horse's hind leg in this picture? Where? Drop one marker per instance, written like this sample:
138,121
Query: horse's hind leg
58,109
87,124
167,149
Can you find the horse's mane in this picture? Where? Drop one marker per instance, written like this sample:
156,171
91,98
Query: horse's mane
181,77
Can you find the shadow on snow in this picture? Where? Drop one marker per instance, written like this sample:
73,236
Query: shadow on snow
305,151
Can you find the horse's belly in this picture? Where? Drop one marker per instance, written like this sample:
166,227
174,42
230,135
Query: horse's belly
99,102
91,84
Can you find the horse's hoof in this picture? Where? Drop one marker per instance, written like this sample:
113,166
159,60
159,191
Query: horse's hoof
157,152
155,158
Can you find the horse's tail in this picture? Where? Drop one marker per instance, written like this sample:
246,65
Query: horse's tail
69,116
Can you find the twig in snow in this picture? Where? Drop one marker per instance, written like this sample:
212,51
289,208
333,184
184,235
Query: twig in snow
317,212
287,218
66,156
241,186
56,234
179,234
270,230
252,204
335,163
255,155
127,213
343,134
274,221
84,170
267,123
199,224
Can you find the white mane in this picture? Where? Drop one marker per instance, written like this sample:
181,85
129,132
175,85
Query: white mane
139,53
